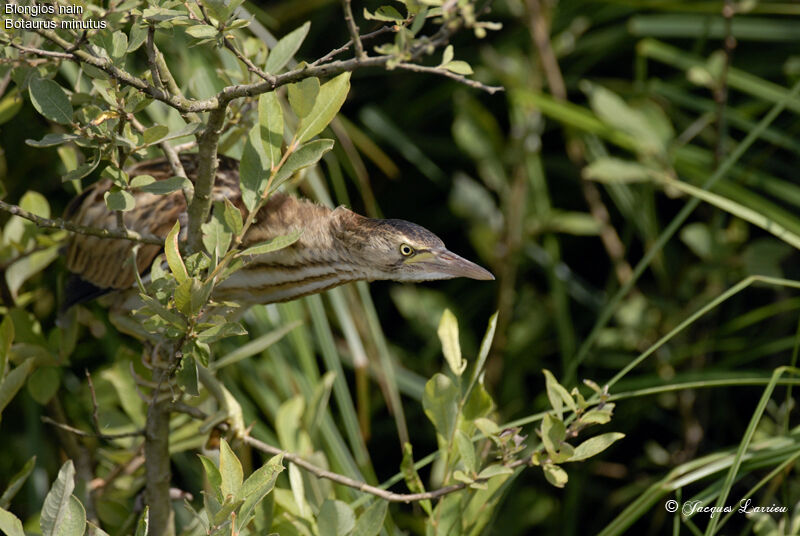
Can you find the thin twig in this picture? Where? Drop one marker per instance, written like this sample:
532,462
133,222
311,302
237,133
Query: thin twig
721,87
95,418
81,433
41,52
252,67
58,223
336,51
461,79
363,486
230,93
353,29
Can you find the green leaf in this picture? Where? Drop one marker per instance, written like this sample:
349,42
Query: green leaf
81,171
336,518
467,451
174,259
63,513
6,340
43,384
448,335
274,244
252,166
119,45
479,404
371,521
440,402
447,55
50,100
143,526
51,140
302,95
555,475
232,217
10,524
553,433
117,199
187,376
257,486
230,469
270,118
214,477
495,470
10,105
140,181
116,175
486,345
385,14
220,331
307,155
595,445
216,235
458,67
13,382
612,170
202,31
284,49
597,416
137,37
332,95
154,134
557,394
165,186
413,481
191,295
16,482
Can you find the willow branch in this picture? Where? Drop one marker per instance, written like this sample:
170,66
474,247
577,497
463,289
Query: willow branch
363,486
353,29
270,83
336,51
58,223
461,79
208,143
81,433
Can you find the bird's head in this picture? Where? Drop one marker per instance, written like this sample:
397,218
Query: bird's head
400,250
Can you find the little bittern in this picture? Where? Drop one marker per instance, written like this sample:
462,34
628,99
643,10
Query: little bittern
336,247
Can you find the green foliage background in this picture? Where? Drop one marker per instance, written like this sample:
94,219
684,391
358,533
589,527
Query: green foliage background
505,178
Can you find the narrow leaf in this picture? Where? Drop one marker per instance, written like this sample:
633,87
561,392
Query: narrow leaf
270,117
274,244
332,95
371,521
258,485
230,469
252,175
213,475
174,259
302,95
285,49
17,481
595,445
10,524
307,155
448,335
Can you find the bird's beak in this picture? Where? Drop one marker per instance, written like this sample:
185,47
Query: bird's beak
451,264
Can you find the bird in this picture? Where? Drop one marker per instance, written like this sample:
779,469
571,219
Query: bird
337,246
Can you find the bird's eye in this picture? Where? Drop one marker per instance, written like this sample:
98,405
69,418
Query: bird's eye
406,250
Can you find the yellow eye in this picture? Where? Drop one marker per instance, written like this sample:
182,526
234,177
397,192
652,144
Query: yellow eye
406,250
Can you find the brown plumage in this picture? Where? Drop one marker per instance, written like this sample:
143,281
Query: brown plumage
337,246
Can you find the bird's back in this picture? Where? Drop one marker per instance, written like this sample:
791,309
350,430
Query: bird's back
106,263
